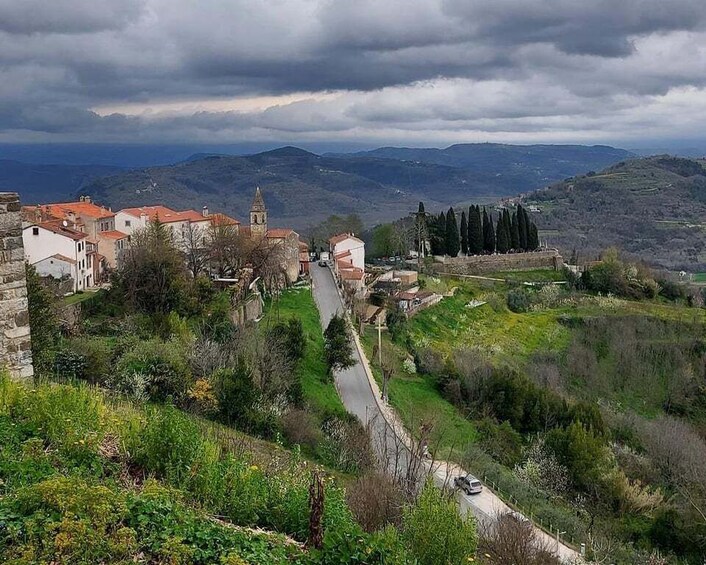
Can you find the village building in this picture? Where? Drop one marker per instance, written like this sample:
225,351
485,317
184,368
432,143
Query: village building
286,239
348,253
97,222
58,251
413,301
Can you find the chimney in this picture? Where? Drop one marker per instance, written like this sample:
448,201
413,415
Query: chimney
204,212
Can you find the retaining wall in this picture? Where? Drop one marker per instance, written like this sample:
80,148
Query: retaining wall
480,264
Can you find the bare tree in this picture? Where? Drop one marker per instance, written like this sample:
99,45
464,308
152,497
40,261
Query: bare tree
510,539
227,249
194,246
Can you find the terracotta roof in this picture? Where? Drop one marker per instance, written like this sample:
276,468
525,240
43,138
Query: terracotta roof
406,296
352,274
112,234
342,254
191,215
219,219
151,212
345,264
57,227
303,246
336,239
279,233
87,209
61,257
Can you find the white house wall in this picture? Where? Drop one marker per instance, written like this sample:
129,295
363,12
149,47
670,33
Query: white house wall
357,249
47,243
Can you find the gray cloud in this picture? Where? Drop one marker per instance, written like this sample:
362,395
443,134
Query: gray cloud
396,68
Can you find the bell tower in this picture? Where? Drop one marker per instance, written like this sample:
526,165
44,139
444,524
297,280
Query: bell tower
258,216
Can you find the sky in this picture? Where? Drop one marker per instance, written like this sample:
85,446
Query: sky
412,72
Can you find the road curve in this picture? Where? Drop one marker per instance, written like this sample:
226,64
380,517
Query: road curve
356,392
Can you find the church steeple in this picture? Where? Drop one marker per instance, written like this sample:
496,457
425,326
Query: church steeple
258,215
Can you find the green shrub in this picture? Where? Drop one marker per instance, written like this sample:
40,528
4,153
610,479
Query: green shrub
435,532
88,358
66,520
162,365
170,445
69,418
236,395
519,300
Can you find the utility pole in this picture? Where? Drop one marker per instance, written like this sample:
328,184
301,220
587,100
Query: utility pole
380,341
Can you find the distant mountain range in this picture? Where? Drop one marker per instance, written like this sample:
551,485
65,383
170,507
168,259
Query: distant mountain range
302,188
652,207
49,183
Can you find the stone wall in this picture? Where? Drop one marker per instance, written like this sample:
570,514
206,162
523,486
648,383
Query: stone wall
480,264
248,310
15,344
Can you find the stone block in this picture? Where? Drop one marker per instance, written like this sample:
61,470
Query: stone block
9,197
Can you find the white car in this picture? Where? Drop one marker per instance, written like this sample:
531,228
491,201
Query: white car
468,484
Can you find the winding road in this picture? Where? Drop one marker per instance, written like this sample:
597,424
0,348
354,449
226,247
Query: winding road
356,389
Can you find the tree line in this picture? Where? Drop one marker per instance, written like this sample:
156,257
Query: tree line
479,233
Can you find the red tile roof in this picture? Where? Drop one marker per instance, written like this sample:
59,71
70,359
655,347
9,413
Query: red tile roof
336,239
279,233
151,212
191,215
352,274
112,234
57,227
61,257
219,219
86,209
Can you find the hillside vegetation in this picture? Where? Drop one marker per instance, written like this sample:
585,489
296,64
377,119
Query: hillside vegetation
302,188
584,409
653,207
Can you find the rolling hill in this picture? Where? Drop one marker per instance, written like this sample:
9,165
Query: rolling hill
653,207
302,188
49,183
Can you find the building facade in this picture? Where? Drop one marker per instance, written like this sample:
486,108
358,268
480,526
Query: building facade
68,248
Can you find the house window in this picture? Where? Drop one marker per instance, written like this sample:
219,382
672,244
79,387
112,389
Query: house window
35,231
127,223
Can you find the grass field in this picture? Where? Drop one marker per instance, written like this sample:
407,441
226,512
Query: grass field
531,275
700,277
78,297
417,401
318,390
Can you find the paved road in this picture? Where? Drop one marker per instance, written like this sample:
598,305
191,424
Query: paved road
357,395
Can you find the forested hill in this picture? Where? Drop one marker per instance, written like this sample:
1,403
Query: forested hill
653,207
49,183
534,164
302,188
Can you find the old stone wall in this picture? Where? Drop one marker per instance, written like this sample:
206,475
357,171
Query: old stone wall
480,264
15,344
247,311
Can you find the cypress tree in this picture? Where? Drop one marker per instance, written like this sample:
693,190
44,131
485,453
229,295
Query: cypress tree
502,235
464,233
475,231
453,241
437,234
533,239
508,228
488,233
514,233
522,227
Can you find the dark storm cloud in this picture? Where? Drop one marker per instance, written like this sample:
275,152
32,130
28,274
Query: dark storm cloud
66,16
483,65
